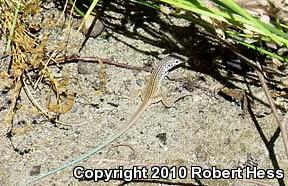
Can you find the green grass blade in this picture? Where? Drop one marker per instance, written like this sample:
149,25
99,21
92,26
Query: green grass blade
89,11
12,30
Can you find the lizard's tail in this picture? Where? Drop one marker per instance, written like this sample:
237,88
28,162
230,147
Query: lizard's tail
98,147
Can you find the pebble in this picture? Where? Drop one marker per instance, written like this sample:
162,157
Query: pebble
97,29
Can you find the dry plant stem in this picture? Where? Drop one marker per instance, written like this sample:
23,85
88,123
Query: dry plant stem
110,62
34,102
74,58
269,97
260,75
45,68
63,13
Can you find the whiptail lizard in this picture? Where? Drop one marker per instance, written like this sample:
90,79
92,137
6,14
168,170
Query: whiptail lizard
149,96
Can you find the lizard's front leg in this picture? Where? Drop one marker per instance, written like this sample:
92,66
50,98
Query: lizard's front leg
169,101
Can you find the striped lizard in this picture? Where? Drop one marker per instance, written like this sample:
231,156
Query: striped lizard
149,96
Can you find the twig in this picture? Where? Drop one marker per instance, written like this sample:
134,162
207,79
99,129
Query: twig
75,58
45,68
268,95
261,78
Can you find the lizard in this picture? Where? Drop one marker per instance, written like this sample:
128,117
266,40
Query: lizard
149,96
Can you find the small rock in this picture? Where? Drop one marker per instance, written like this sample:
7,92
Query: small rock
95,23
35,170
162,137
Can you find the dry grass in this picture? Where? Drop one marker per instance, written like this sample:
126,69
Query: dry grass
26,51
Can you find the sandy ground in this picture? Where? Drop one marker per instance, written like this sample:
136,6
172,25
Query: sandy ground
203,129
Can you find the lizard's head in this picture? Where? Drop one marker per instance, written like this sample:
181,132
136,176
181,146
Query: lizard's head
173,60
